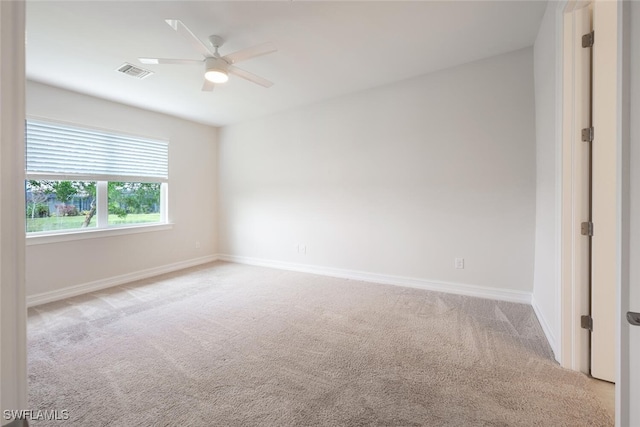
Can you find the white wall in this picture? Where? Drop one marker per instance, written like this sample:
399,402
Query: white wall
13,313
545,277
397,180
192,196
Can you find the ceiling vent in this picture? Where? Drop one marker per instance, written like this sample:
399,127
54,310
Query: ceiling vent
133,71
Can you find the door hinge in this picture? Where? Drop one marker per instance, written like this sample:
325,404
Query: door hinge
586,228
586,322
587,134
587,39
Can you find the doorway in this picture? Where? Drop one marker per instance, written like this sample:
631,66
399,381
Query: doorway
589,204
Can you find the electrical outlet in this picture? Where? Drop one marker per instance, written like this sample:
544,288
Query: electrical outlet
302,249
197,244
459,263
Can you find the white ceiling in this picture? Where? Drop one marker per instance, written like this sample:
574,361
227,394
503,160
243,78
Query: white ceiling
325,49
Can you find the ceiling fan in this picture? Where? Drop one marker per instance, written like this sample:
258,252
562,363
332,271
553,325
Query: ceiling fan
216,67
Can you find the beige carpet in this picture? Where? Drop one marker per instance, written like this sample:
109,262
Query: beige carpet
232,345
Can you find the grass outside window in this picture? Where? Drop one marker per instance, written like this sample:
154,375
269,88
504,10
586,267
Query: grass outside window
35,225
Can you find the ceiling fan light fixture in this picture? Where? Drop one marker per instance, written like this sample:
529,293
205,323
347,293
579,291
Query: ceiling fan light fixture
215,70
216,76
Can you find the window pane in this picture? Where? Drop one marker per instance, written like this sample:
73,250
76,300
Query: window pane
133,203
59,205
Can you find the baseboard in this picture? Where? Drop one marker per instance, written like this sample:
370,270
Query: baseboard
545,327
96,285
448,287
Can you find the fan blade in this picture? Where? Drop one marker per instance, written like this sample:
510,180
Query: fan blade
249,76
191,38
251,52
207,86
154,61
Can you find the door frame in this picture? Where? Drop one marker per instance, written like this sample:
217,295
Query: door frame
571,352
13,327
623,193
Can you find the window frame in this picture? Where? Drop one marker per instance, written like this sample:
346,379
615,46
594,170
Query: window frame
102,228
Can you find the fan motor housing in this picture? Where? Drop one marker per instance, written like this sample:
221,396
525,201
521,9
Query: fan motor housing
215,64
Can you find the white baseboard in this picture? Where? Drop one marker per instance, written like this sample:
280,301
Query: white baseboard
448,287
545,327
96,285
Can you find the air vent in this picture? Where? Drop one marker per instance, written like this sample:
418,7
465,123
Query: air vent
133,71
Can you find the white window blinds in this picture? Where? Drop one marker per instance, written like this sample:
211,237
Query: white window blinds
58,151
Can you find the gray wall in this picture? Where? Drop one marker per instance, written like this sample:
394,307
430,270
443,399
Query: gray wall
192,196
545,277
397,180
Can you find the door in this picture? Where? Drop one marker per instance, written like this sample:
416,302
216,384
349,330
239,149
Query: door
590,189
575,256
605,210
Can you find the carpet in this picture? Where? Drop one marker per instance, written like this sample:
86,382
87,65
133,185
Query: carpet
233,345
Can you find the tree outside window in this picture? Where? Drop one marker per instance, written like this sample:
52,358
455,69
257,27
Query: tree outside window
63,205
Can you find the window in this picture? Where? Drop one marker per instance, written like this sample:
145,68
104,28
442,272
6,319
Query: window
59,205
84,179
133,202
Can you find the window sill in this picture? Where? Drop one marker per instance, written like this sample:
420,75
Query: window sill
66,236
